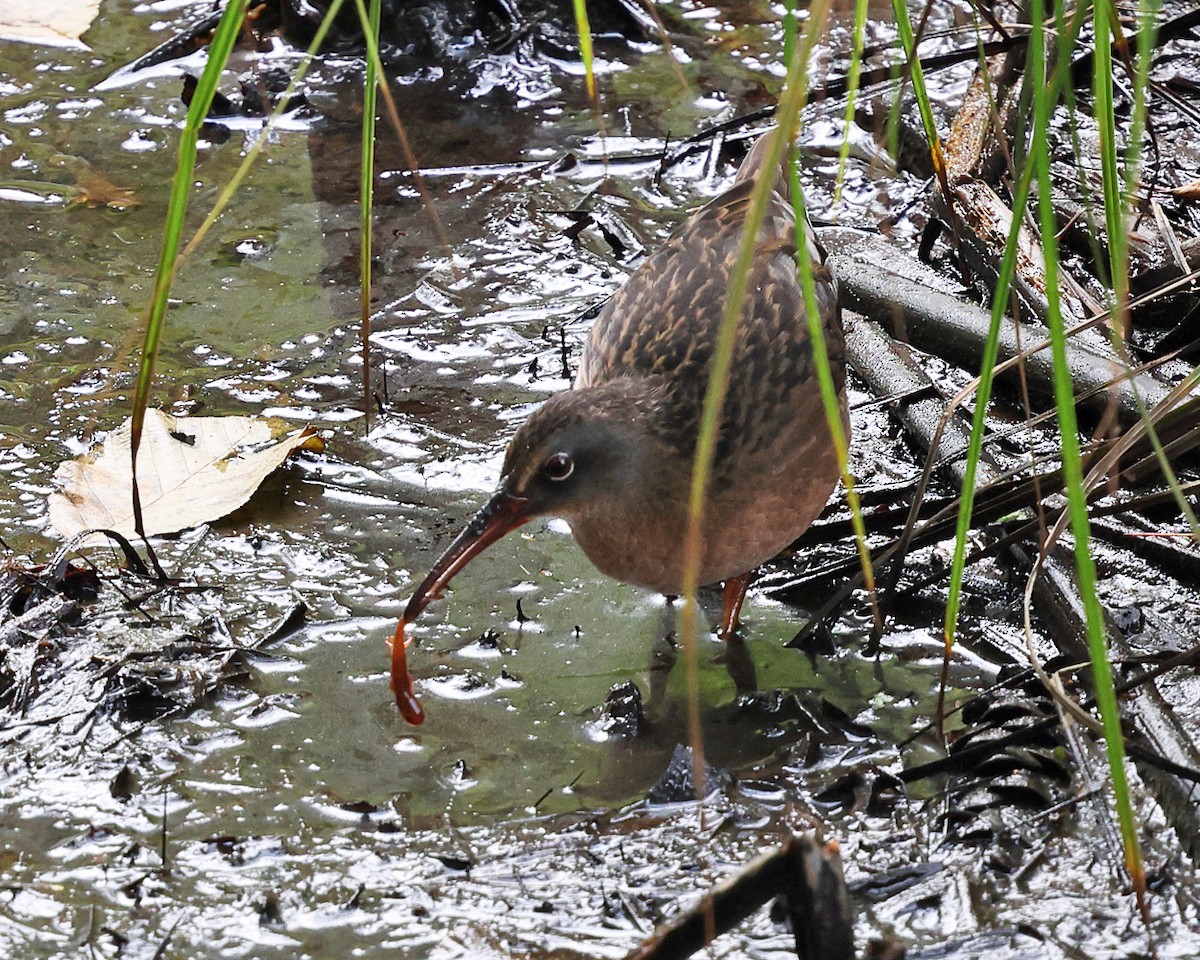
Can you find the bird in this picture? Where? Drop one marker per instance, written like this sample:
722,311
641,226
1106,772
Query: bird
613,456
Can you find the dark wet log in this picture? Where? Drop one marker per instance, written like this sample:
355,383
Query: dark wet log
957,331
1178,23
805,873
986,136
978,149
889,369
1149,718
1173,269
885,366
1144,541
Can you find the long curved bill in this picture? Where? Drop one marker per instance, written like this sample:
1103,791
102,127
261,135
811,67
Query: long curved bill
502,514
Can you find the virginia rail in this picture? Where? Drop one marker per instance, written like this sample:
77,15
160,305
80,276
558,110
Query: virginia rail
613,456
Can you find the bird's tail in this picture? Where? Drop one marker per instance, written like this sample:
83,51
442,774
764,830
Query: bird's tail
756,159
754,163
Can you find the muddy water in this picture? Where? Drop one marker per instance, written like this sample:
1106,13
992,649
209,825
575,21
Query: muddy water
292,813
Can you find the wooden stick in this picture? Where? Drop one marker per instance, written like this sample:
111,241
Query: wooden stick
805,873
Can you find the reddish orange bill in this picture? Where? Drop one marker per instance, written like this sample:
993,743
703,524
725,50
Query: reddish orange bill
402,684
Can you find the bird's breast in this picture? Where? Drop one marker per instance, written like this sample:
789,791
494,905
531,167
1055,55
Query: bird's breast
747,521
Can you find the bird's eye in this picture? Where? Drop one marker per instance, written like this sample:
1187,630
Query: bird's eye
559,466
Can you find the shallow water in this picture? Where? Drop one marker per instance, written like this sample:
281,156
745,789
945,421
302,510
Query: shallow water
298,815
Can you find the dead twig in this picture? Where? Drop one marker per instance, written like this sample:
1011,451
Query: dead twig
805,873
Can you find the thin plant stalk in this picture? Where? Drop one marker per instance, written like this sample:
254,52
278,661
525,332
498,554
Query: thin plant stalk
808,290
225,197
987,371
1116,264
587,54
917,74
1146,18
402,134
788,114
789,30
366,207
668,47
829,398
1118,195
852,78
1102,111
172,256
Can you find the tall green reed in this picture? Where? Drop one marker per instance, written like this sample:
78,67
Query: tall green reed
173,255
586,52
1038,165
1106,697
223,40
791,102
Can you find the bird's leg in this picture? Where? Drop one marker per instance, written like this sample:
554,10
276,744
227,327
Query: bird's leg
737,657
662,655
735,595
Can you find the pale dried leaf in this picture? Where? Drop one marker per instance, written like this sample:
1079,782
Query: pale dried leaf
191,470
57,23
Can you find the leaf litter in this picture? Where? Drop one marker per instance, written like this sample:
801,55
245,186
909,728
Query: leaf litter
191,470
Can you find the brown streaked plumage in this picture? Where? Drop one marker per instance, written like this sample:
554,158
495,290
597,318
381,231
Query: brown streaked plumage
613,456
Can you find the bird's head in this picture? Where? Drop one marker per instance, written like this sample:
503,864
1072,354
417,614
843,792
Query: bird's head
578,452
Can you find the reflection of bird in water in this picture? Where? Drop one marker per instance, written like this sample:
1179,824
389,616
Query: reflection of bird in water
613,456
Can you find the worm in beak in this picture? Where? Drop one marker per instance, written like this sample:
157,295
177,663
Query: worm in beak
502,514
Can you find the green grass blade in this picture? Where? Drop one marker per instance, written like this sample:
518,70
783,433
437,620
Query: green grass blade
1000,301
218,53
586,53
917,74
808,289
172,257
1102,111
790,29
1106,697
829,399
366,206
1147,17
1008,267
230,189
1124,189
401,132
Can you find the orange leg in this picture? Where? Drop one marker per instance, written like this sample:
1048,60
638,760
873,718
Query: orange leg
735,594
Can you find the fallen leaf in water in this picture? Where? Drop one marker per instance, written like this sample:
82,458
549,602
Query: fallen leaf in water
94,190
58,23
191,470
